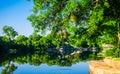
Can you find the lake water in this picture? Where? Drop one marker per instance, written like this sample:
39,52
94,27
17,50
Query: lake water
78,68
47,63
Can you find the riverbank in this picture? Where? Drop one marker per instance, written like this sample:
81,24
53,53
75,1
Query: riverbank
105,66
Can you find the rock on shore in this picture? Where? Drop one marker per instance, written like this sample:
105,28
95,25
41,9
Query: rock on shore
106,66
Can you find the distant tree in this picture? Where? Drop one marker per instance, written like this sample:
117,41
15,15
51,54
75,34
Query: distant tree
9,32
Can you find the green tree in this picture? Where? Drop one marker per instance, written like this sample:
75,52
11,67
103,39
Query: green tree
9,32
78,21
35,41
21,40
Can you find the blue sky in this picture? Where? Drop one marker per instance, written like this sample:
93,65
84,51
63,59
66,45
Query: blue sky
14,13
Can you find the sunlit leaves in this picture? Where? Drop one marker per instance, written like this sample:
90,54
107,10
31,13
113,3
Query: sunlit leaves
96,15
9,32
55,15
73,18
83,3
76,21
106,4
110,23
21,40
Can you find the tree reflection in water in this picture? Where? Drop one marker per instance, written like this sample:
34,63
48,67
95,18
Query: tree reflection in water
37,58
9,69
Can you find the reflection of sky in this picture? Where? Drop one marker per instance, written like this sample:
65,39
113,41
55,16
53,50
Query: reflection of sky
79,68
15,13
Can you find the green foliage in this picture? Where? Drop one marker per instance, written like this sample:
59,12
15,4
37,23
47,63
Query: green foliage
115,52
21,40
76,21
52,17
109,52
9,32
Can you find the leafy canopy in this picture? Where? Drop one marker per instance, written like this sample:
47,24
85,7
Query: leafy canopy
78,21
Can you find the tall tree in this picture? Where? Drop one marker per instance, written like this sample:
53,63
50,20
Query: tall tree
78,21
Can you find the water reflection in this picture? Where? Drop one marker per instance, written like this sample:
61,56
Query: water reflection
54,69
44,63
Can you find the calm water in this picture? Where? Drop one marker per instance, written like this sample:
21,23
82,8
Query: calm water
78,68
45,63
